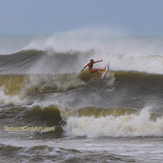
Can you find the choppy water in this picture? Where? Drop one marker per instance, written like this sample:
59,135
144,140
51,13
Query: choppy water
118,119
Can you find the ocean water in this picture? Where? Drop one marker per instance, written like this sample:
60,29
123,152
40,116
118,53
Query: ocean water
117,119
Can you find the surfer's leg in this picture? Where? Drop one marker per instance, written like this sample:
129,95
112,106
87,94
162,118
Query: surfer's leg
102,69
95,70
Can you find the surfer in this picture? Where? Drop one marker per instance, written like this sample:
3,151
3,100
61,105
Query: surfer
90,65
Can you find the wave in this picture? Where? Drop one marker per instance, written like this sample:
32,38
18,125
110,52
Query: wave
49,62
128,125
90,121
133,86
142,54
40,62
20,62
33,115
49,153
13,84
146,82
70,52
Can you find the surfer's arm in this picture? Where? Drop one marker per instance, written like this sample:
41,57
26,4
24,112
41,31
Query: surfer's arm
84,68
98,61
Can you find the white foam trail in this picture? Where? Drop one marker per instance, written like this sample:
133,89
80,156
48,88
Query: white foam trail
122,126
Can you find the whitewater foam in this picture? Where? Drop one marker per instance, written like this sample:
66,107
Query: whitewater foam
122,126
8,100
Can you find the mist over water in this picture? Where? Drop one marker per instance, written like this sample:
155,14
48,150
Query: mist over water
41,85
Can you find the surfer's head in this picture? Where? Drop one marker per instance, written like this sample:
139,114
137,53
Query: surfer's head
91,61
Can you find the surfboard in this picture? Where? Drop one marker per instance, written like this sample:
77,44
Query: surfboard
104,73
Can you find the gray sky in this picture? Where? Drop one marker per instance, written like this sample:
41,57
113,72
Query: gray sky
137,17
